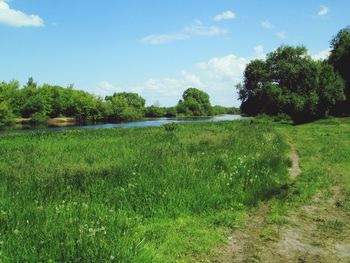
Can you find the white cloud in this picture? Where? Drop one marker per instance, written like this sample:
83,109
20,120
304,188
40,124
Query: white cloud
191,78
281,35
324,54
104,88
105,85
161,39
324,10
197,29
227,15
229,67
267,24
17,18
259,52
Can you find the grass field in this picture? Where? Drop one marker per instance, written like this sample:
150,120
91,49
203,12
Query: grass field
157,195
132,195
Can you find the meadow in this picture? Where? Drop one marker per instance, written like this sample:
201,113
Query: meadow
161,194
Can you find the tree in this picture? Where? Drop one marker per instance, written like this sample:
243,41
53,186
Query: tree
330,89
126,106
290,82
170,112
11,93
6,116
154,111
219,110
340,59
37,102
195,103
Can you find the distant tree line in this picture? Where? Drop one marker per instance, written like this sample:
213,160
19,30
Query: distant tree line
40,103
290,83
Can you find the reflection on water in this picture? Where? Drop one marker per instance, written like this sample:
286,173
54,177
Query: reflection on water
148,122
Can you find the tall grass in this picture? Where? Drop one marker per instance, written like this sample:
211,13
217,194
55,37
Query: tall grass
132,195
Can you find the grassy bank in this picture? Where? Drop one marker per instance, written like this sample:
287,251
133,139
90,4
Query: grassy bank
324,148
307,220
132,195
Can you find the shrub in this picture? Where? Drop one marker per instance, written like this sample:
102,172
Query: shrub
170,127
38,117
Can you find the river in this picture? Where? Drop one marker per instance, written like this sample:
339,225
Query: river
147,122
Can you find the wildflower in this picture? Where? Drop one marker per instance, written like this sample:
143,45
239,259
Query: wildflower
16,231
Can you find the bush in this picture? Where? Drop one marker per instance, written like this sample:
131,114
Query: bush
283,118
38,117
6,116
170,127
154,112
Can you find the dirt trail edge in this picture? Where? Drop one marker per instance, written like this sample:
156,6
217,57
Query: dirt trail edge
314,232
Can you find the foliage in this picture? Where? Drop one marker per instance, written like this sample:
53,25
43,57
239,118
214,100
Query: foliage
170,127
38,117
290,82
39,103
195,103
219,110
154,111
340,59
6,116
100,196
170,112
10,93
126,106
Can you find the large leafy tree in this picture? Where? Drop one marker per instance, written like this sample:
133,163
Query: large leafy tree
195,103
290,82
125,106
340,59
36,101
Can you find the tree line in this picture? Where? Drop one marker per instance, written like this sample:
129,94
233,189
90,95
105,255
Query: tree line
289,83
40,103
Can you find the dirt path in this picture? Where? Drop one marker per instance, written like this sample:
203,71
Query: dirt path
295,170
317,232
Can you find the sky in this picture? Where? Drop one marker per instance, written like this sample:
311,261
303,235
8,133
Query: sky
157,48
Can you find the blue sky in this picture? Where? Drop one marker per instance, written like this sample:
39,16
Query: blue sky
154,47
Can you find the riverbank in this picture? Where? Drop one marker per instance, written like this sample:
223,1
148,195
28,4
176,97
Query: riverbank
307,220
71,123
53,121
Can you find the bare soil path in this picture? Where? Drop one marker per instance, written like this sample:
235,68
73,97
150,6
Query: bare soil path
316,232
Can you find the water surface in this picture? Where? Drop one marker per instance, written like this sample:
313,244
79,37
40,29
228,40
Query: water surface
147,122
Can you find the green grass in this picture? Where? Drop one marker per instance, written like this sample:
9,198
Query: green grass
167,194
133,195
